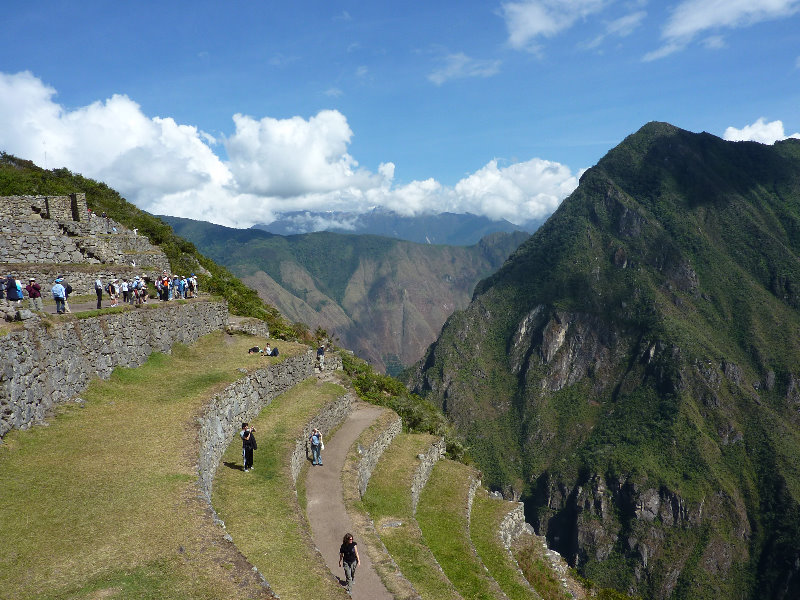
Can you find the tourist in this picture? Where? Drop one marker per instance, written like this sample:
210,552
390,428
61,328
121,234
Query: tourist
34,295
60,296
349,559
316,447
248,445
112,290
13,289
98,289
2,289
67,292
125,291
321,356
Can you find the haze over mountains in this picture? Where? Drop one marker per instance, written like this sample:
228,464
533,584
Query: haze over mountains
443,228
384,298
633,370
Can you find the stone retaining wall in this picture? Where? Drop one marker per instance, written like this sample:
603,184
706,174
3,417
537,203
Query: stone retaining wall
250,326
41,366
513,524
328,419
371,454
239,403
426,463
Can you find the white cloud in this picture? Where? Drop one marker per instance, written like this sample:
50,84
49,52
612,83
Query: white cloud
760,131
461,66
693,17
273,165
621,27
531,19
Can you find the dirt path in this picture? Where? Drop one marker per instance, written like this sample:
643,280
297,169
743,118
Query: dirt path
325,505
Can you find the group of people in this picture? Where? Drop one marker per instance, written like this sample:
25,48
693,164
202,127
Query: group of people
266,350
11,289
174,287
348,551
132,291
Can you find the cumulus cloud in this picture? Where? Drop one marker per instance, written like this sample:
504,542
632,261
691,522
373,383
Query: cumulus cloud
760,131
273,165
694,17
461,66
532,19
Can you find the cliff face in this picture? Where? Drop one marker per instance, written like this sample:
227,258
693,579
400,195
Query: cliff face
632,370
385,299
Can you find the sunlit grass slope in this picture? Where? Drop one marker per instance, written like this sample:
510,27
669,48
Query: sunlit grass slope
260,508
103,501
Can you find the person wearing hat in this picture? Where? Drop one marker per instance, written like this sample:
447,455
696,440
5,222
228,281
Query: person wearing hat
34,295
60,296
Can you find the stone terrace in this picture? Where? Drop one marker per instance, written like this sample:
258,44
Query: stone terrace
61,230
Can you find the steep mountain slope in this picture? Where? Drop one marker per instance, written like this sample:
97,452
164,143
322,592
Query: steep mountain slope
633,370
384,298
443,228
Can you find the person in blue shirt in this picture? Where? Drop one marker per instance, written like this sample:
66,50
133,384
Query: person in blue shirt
60,296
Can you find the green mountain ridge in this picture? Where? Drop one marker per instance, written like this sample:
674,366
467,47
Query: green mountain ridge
386,299
633,370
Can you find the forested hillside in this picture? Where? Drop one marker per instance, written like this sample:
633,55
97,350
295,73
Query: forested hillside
633,370
384,298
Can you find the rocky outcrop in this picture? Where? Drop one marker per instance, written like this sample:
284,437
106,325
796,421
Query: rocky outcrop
43,363
427,460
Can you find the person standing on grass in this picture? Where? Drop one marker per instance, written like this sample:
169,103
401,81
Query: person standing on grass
349,559
316,447
249,444
34,295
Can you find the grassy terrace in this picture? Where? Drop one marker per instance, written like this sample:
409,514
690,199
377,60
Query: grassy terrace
487,514
260,508
388,501
103,501
442,515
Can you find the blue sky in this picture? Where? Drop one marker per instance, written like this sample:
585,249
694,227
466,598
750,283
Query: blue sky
235,111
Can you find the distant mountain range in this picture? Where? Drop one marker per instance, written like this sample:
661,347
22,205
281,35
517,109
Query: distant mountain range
384,298
633,371
443,228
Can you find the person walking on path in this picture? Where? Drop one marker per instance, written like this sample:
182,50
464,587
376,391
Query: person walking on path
316,447
67,292
34,295
349,559
60,296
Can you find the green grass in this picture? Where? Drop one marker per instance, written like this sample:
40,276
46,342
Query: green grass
530,558
388,501
487,515
442,516
105,497
261,509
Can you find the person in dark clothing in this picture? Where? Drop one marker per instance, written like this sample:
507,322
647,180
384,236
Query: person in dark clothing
349,559
67,292
13,293
34,295
249,444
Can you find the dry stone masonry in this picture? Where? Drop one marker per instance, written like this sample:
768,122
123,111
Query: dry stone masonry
44,366
61,230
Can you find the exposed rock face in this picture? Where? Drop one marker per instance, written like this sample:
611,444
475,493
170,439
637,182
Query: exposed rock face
631,370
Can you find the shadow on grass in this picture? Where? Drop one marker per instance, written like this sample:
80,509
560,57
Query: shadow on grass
233,465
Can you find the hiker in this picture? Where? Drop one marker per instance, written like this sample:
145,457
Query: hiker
98,289
111,288
255,350
241,435
248,445
34,295
13,289
125,291
349,559
60,296
316,447
268,350
67,292
321,356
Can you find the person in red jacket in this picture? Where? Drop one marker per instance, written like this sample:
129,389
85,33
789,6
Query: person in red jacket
34,295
